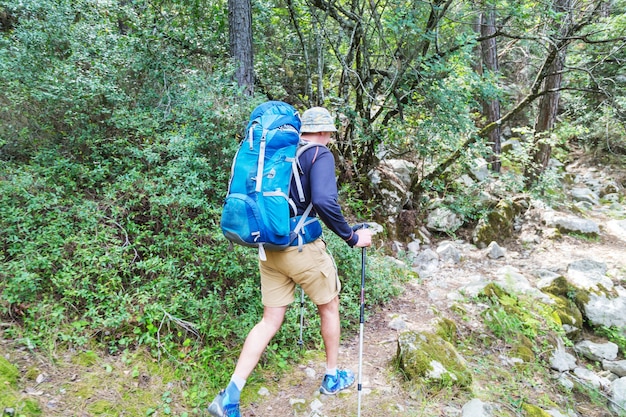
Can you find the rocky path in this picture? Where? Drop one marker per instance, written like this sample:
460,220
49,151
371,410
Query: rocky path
537,246
457,271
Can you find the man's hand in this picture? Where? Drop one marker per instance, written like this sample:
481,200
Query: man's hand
365,237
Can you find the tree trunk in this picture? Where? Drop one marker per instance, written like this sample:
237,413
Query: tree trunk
240,37
548,109
549,103
491,108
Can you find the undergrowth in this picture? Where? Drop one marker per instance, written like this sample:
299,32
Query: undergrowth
119,252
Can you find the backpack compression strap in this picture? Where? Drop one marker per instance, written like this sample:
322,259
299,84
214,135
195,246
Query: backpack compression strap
261,163
304,221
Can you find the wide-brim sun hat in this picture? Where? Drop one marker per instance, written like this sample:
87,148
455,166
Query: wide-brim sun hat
317,119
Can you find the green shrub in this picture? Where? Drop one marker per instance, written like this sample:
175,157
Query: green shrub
135,257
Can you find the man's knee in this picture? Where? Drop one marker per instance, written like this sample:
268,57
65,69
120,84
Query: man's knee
332,307
271,325
272,319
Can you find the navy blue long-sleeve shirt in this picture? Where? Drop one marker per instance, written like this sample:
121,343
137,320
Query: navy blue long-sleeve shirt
320,188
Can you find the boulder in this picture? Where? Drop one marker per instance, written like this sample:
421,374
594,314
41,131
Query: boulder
477,408
442,219
571,224
597,351
434,361
390,181
618,395
497,225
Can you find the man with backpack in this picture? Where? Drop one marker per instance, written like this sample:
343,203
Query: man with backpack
309,265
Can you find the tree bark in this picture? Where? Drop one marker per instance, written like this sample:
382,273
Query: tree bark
240,37
549,103
491,108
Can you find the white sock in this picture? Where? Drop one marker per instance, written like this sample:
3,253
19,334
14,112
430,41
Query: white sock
238,381
331,371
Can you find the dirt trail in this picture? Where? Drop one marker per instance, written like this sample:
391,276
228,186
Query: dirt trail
384,393
422,302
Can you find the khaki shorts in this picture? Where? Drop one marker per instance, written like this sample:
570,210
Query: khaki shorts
313,269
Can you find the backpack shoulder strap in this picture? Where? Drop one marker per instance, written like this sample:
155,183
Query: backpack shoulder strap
297,169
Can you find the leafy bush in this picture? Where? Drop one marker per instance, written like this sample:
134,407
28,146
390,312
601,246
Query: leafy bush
125,250
116,135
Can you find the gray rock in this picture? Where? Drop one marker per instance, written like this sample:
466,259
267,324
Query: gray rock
310,373
591,378
443,219
413,247
426,263
589,275
546,277
556,413
388,183
494,251
402,169
576,225
612,197
566,382
617,367
480,169
584,194
584,205
608,188
316,405
397,322
477,408
475,286
514,282
618,396
448,252
617,228
597,351
603,310
562,361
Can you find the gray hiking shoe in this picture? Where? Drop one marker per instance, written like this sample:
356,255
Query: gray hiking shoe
332,385
220,407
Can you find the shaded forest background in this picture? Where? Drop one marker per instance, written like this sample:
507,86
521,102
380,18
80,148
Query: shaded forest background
119,119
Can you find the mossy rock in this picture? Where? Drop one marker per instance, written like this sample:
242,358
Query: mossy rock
524,353
569,315
447,329
8,383
559,287
492,290
497,225
534,411
428,357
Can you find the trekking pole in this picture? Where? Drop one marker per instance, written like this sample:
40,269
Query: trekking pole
362,323
300,341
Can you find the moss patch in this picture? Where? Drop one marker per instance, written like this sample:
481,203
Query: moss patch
533,411
9,394
569,315
87,358
8,372
497,225
447,329
431,359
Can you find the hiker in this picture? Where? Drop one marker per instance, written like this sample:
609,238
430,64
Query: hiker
310,266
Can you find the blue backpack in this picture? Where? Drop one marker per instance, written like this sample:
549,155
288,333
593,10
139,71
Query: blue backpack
258,211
